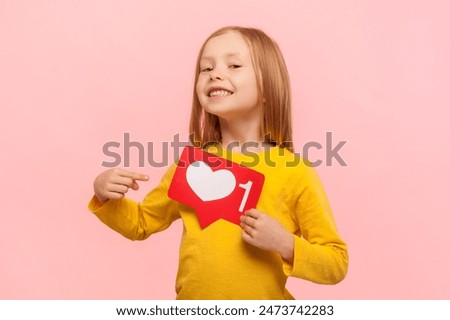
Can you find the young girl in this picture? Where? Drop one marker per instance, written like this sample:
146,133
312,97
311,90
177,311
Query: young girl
242,95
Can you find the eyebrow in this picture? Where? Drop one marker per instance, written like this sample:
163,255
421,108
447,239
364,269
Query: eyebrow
228,55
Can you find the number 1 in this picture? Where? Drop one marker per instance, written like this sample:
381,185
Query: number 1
247,188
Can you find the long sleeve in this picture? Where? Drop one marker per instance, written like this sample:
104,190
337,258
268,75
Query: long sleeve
137,221
320,255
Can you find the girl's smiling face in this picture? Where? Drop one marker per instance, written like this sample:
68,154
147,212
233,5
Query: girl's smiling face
227,84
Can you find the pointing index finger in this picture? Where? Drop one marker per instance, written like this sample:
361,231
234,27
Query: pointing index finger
135,175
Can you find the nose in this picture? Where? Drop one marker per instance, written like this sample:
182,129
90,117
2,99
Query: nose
215,75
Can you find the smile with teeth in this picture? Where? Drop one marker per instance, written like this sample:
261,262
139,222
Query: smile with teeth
220,93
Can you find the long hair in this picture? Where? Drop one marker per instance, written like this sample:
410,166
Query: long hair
274,93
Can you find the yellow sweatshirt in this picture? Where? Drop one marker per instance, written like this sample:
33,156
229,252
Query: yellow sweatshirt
215,263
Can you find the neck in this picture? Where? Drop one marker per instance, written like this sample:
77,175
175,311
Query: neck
239,133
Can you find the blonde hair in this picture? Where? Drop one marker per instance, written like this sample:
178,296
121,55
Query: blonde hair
274,93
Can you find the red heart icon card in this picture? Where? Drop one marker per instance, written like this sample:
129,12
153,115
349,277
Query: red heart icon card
215,187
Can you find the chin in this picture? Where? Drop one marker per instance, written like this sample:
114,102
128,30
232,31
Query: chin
225,111
222,112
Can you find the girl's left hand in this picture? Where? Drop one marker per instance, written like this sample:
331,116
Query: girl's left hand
265,232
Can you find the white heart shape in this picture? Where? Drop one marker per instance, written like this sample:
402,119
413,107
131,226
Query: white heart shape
207,184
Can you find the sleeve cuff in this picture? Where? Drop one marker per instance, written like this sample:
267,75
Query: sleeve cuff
94,205
97,208
289,268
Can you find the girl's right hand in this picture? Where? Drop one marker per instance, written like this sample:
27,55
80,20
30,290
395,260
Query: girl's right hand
114,183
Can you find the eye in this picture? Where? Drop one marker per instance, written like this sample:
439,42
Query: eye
235,66
206,69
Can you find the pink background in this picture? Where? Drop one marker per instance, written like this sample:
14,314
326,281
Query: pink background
77,74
